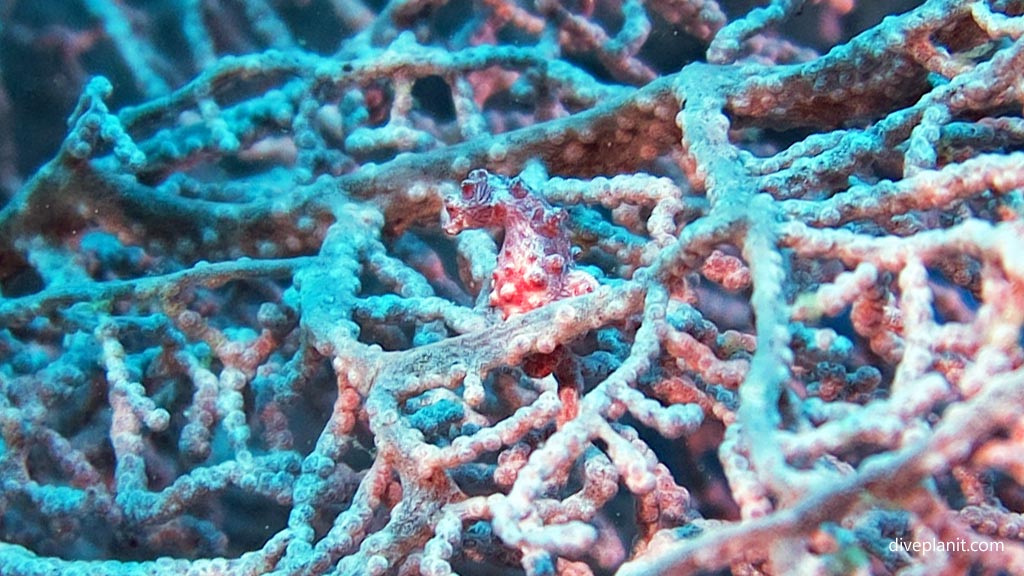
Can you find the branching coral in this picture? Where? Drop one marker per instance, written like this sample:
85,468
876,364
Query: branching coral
748,307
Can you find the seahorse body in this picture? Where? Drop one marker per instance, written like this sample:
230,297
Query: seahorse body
535,265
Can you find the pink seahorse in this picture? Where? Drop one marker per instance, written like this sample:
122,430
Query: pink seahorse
535,265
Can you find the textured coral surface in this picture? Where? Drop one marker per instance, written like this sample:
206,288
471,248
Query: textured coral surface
487,287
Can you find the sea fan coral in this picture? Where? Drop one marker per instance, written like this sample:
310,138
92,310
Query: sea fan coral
755,302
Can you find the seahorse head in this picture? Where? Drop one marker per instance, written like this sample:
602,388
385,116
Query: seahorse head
481,201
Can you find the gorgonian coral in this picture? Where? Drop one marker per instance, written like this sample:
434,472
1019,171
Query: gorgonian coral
748,296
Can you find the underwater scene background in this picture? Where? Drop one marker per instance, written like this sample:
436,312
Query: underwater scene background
574,287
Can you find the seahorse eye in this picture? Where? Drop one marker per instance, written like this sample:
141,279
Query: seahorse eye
476,185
